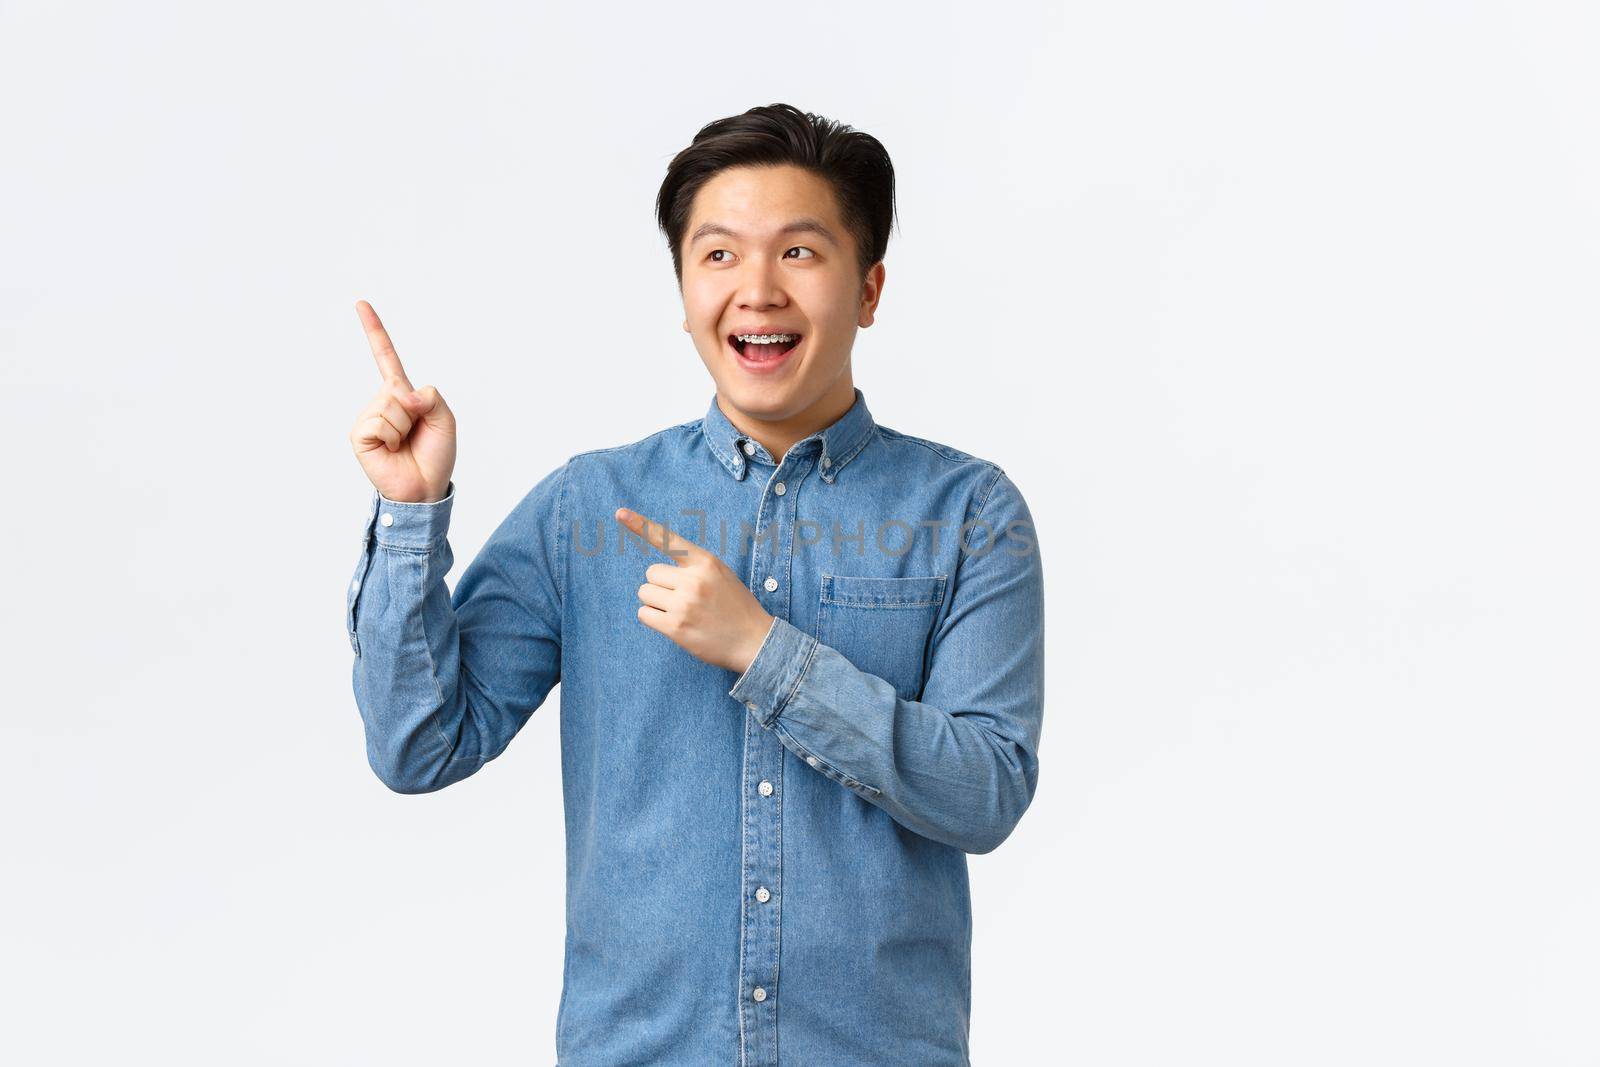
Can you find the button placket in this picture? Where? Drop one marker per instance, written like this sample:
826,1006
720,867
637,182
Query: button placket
762,867
770,562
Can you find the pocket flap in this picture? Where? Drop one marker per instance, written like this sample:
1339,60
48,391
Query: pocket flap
919,591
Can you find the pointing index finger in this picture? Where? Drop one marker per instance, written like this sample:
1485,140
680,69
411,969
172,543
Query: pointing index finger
658,536
382,348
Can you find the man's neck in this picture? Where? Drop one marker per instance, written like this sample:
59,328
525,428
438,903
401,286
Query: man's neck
776,436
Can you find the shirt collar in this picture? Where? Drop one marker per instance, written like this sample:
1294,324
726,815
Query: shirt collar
841,441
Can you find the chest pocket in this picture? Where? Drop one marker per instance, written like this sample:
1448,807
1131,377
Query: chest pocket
882,625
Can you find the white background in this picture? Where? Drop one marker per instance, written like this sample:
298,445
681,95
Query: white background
1281,315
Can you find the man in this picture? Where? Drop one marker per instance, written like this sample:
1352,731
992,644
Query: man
800,653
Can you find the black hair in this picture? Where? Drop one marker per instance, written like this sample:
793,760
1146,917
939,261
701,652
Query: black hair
853,163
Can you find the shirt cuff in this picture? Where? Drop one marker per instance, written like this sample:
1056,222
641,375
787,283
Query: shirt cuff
414,526
767,685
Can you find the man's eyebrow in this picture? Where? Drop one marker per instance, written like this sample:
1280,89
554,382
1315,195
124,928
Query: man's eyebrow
804,224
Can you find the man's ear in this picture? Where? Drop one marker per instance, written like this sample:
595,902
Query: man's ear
871,293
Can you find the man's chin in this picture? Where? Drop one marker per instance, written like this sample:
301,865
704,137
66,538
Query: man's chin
763,399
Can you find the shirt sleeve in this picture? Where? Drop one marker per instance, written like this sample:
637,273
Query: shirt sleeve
960,765
444,681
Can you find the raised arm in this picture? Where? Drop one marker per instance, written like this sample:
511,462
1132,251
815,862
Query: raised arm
443,682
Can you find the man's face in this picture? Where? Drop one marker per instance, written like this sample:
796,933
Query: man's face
755,260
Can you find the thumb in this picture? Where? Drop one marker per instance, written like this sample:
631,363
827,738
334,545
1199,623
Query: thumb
420,401
427,404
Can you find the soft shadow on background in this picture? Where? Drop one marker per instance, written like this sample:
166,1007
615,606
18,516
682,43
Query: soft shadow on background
1281,316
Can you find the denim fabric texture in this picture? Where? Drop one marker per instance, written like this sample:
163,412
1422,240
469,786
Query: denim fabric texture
767,868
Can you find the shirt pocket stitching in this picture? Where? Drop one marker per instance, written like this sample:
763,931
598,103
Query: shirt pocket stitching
873,593
863,591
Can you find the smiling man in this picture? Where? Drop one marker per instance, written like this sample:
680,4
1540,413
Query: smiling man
801,654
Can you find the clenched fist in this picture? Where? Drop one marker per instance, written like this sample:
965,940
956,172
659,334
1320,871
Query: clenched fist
406,438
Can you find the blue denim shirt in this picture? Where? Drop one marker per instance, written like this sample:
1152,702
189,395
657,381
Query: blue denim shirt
762,868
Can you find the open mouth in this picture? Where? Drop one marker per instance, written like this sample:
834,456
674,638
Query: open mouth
764,351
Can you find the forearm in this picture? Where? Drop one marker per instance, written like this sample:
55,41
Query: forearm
407,650
944,772
444,682
405,676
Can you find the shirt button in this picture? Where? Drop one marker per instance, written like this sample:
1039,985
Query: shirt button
780,489
758,994
750,450
386,518
762,895
770,585
765,788
811,760
826,462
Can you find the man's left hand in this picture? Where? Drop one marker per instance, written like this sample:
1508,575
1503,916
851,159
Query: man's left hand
697,600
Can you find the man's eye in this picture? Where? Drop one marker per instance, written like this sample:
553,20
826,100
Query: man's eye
711,255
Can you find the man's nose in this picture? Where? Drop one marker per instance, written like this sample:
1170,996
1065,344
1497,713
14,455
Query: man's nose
760,284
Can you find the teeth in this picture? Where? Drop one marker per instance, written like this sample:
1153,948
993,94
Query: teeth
766,338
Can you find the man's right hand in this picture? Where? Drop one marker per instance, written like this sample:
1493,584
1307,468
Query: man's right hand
405,439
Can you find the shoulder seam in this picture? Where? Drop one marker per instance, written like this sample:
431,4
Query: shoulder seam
945,452
989,492
631,444
561,532
977,516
